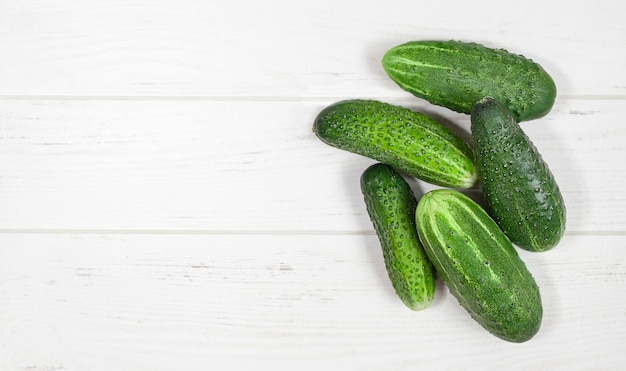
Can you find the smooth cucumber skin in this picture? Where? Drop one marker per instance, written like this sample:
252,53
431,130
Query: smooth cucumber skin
391,206
407,140
520,191
479,265
457,74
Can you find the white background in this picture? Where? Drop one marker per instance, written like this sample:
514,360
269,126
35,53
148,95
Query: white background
164,204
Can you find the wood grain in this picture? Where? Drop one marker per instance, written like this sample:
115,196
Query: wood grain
250,165
285,49
166,302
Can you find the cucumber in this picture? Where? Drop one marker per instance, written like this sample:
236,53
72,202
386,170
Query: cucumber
457,74
407,140
520,191
479,265
391,206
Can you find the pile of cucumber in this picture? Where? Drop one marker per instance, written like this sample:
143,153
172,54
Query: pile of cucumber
445,233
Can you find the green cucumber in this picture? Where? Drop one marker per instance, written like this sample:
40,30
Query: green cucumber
457,74
479,265
409,141
520,191
391,206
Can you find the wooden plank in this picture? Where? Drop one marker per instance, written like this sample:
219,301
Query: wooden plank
249,165
286,49
171,302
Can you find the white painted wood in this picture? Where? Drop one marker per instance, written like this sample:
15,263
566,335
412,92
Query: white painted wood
164,204
289,49
192,302
250,165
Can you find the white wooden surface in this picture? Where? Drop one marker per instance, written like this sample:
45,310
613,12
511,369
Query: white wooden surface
164,204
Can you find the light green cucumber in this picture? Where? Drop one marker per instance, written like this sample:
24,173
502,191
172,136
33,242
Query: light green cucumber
409,141
479,265
457,74
391,206
520,191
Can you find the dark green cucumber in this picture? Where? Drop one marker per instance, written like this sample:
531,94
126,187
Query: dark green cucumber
479,265
520,191
391,207
457,74
407,140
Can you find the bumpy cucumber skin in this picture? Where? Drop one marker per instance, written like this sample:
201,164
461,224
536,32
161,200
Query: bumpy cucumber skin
520,191
479,265
391,206
457,74
407,140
